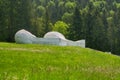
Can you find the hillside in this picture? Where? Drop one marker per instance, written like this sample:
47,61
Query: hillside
45,62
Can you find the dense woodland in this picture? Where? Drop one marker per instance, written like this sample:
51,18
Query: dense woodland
96,21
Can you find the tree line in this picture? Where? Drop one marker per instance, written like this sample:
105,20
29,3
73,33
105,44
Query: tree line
96,21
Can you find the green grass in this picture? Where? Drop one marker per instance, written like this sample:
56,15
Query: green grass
45,62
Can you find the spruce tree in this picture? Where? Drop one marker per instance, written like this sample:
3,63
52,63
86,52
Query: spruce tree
75,31
46,22
19,17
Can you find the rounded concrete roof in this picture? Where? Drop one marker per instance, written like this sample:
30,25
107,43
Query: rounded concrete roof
54,34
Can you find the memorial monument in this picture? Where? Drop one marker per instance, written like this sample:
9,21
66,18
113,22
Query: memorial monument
51,38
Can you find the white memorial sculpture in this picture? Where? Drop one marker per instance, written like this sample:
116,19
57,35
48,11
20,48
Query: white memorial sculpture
53,38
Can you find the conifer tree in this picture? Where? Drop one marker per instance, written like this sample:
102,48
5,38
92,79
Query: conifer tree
75,31
19,17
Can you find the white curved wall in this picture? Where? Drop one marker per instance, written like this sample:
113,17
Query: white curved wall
54,35
23,36
52,38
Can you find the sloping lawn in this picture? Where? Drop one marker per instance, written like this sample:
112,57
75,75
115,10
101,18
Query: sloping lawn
45,62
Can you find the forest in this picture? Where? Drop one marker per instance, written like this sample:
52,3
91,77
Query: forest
96,21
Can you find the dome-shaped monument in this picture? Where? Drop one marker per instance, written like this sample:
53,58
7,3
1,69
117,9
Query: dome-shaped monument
54,35
52,38
23,36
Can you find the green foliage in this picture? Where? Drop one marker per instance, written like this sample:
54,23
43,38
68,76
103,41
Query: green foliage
76,27
40,10
51,3
118,5
61,4
14,17
112,13
61,27
67,17
38,29
40,62
70,6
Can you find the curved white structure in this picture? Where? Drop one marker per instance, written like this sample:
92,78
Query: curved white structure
54,35
23,36
52,38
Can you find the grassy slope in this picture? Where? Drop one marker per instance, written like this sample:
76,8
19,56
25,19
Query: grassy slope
39,62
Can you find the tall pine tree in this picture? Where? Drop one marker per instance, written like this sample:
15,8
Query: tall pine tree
19,17
75,30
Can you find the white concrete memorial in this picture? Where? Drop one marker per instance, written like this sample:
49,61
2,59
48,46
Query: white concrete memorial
52,38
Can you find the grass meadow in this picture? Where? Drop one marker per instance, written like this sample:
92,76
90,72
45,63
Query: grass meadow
46,62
